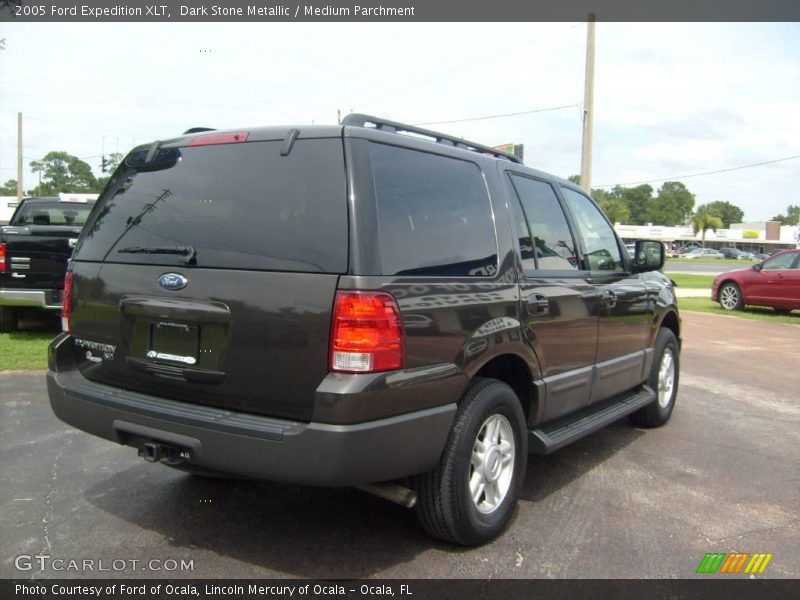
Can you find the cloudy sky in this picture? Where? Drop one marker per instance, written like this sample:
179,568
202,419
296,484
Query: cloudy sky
671,99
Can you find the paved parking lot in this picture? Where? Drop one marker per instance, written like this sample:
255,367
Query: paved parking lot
723,476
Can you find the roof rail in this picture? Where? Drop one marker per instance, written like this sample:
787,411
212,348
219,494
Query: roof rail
359,120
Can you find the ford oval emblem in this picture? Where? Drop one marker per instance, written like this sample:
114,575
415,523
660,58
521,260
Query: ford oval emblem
172,281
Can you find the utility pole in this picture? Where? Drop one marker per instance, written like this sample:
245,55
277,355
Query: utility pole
588,108
19,157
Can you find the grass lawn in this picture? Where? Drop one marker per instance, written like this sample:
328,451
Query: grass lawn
691,281
756,313
24,350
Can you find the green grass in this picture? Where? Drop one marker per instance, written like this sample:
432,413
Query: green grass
691,281
755,313
24,350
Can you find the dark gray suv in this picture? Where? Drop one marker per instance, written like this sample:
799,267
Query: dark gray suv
370,304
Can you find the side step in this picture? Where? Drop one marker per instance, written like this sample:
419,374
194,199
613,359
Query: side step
556,435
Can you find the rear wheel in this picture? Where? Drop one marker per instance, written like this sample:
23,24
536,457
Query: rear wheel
471,494
9,319
730,297
663,379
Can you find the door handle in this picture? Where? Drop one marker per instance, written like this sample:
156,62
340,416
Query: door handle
18,275
538,305
609,299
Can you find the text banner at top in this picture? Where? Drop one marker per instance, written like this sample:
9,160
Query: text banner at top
397,10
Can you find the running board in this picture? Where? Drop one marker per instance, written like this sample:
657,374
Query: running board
565,431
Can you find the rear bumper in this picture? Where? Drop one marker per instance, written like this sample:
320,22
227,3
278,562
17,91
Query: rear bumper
47,299
253,445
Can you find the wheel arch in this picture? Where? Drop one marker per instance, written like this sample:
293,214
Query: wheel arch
513,370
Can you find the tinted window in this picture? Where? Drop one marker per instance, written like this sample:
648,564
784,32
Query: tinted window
782,261
523,232
238,205
52,213
434,215
553,246
599,241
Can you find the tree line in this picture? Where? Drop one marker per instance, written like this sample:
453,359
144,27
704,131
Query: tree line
59,171
671,205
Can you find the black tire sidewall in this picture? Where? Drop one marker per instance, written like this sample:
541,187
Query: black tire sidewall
666,339
496,398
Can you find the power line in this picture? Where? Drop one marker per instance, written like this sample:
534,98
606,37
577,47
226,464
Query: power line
515,114
675,177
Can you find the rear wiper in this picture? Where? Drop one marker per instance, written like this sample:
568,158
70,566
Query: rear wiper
188,251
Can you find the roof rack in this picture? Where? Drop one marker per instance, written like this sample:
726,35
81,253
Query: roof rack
359,120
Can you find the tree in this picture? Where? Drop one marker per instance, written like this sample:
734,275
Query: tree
703,221
617,210
728,213
110,163
638,200
576,179
62,172
672,206
792,216
9,188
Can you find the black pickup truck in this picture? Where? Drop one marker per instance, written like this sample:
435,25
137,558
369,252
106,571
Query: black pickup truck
34,249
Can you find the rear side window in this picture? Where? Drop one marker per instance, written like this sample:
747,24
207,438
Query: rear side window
237,206
52,213
434,215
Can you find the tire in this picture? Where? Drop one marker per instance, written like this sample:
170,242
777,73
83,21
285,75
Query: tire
9,319
664,376
730,297
445,505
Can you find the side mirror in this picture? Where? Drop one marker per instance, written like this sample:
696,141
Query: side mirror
757,267
648,256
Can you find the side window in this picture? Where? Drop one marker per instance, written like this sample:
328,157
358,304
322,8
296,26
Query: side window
521,229
553,246
434,214
782,261
599,241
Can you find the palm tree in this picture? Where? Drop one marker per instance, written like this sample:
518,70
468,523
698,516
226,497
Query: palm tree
703,221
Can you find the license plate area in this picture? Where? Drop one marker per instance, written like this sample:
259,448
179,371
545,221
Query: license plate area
174,343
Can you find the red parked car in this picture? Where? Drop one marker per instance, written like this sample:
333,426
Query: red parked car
774,282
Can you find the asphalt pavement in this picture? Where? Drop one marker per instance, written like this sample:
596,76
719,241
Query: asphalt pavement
722,476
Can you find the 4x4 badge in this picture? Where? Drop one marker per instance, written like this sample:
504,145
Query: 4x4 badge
172,281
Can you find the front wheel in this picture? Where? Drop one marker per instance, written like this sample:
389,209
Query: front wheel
663,380
730,297
470,496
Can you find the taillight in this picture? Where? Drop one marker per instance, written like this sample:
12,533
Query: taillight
3,257
367,335
220,138
66,304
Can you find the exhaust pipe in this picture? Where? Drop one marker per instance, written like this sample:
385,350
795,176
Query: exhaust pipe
394,492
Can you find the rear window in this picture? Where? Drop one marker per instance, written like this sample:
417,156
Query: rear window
237,206
434,214
52,213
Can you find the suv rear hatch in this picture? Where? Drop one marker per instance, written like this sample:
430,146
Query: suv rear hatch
208,270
